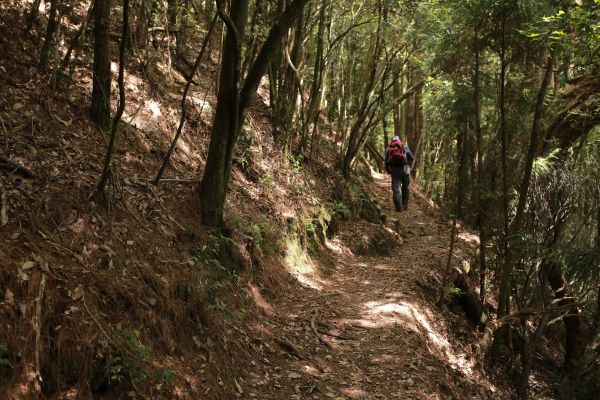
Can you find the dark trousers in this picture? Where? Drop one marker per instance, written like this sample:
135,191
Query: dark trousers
400,183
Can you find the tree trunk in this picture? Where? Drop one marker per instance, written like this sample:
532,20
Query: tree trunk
462,144
372,149
141,24
232,104
396,90
506,273
316,89
50,30
575,335
479,193
100,108
35,9
225,124
74,43
511,246
115,124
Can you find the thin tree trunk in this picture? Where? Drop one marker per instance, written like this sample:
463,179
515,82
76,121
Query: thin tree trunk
528,350
100,108
575,335
479,193
74,43
506,273
183,117
316,88
396,90
115,124
141,25
462,145
50,30
35,9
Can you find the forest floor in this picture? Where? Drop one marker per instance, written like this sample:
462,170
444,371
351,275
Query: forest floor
338,325
370,329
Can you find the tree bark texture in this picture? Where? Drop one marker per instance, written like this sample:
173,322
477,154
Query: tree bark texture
218,163
575,334
49,38
121,107
232,104
100,107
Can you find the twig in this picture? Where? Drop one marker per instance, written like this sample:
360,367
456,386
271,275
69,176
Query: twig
5,133
174,180
4,211
290,348
38,323
136,217
15,169
78,257
314,328
335,335
95,320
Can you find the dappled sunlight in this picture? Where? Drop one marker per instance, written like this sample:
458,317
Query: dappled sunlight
355,393
416,320
468,237
308,281
300,266
260,301
310,370
378,176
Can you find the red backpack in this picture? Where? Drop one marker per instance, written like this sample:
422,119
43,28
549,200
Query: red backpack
396,157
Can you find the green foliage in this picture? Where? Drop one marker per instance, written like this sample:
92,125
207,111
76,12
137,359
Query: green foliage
164,376
574,30
543,165
4,361
220,278
127,363
339,210
260,233
356,199
295,162
268,180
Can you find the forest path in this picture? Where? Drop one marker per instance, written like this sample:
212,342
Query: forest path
380,335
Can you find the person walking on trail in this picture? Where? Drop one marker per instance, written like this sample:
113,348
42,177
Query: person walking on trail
398,159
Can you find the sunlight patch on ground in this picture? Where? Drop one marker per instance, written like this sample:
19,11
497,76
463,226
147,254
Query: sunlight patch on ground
377,175
310,370
154,108
336,246
355,393
260,301
469,237
412,316
300,266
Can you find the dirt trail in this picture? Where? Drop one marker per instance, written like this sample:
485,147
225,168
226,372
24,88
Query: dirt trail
381,335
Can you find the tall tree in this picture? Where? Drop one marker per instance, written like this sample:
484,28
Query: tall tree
233,102
100,107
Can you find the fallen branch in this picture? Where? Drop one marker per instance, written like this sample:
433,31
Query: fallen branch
314,328
38,324
4,207
289,347
335,335
5,133
15,169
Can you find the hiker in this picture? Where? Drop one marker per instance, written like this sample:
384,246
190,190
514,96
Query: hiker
398,159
